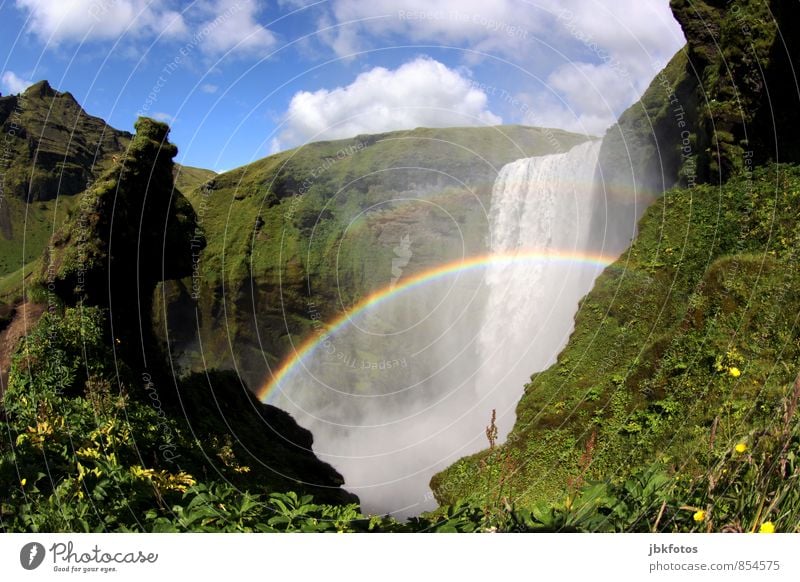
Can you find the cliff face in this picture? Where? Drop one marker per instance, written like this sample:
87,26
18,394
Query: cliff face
113,250
744,68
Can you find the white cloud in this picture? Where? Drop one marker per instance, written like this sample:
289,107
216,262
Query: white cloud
13,83
165,117
611,49
209,88
56,21
422,92
218,26
234,28
499,25
618,46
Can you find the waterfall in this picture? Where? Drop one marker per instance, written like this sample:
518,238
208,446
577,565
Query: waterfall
407,387
540,206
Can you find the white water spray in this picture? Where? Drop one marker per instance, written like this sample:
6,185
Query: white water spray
543,204
407,387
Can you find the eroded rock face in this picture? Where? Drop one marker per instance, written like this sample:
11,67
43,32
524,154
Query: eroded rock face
742,57
131,230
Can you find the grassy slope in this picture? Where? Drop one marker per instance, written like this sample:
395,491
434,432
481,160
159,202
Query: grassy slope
710,284
188,178
30,227
281,198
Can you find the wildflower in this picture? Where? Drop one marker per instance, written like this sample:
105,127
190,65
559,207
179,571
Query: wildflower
735,372
23,481
767,527
699,516
740,448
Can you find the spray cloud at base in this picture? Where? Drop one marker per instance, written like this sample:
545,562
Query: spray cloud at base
404,381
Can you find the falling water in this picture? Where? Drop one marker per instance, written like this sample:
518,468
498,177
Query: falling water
545,204
407,387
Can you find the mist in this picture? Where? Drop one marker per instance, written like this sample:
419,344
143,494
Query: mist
406,387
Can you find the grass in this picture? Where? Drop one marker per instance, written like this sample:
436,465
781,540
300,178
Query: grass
30,226
188,178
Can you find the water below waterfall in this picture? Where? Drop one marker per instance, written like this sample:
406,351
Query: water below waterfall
406,387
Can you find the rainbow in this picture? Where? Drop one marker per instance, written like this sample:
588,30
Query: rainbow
272,386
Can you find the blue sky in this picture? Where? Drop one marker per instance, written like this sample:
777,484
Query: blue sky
238,80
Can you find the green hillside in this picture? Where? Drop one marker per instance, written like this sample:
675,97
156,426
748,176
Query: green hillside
188,178
322,220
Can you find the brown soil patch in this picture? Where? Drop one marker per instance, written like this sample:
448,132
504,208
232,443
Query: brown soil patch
26,315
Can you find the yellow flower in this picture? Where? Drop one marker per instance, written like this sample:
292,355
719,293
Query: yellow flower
23,481
767,527
699,516
735,372
740,448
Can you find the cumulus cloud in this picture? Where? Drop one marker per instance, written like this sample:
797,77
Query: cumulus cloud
500,25
209,88
220,26
12,83
235,28
56,21
420,93
619,47
610,50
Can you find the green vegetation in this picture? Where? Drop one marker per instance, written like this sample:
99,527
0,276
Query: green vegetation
27,228
188,178
52,150
323,219
740,60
